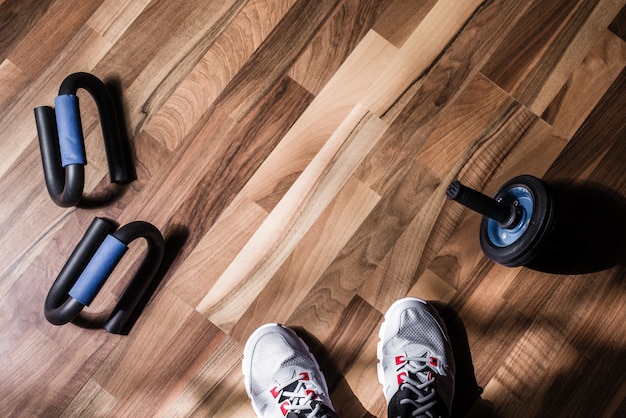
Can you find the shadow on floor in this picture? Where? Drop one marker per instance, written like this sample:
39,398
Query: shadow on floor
589,230
467,401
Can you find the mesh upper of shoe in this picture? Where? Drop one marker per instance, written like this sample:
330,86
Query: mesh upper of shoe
416,325
274,359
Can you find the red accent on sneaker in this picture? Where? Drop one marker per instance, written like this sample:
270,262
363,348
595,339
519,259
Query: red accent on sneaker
274,391
399,360
401,377
304,376
434,361
283,408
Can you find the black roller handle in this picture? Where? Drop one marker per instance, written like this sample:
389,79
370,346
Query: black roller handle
507,216
65,184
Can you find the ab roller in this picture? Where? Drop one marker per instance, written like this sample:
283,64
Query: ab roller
517,221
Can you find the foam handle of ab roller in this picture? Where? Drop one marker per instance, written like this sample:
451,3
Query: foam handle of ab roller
98,270
70,131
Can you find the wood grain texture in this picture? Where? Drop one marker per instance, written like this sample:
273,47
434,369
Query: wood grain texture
295,155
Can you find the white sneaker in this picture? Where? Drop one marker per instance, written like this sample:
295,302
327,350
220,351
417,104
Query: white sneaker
282,377
415,363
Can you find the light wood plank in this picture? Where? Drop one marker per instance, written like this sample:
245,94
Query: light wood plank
444,21
317,186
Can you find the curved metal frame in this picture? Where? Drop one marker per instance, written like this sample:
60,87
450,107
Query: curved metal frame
61,308
65,183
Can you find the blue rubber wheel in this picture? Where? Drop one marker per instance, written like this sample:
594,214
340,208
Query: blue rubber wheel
518,245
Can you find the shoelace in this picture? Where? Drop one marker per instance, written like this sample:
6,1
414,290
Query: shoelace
423,388
301,398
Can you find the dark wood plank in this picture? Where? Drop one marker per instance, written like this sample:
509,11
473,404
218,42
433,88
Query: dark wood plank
399,21
18,18
54,30
539,43
164,43
164,377
330,47
605,125
618,26
271,61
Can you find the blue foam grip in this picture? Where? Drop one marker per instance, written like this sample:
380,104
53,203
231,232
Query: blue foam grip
98,270
71,142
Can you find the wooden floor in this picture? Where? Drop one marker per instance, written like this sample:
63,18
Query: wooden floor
295,155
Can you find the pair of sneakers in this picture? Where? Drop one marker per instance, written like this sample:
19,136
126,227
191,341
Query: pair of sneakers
415,367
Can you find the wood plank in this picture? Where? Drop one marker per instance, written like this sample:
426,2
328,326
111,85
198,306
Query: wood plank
11,77
330,47
235,45
398,21
216,388
606,121
17,19
308,134
578,97
343,347
308,261
599,332
314,189
92,400
269,64
618,25
165,41
536,58
166,375
445,19
113,18
54,30
236,157
216,250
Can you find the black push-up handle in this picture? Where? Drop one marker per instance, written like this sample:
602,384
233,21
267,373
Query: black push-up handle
90,265
61,140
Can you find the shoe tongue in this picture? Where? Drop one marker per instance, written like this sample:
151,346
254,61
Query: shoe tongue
405,409
418,353
287,375
398,409
284,375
